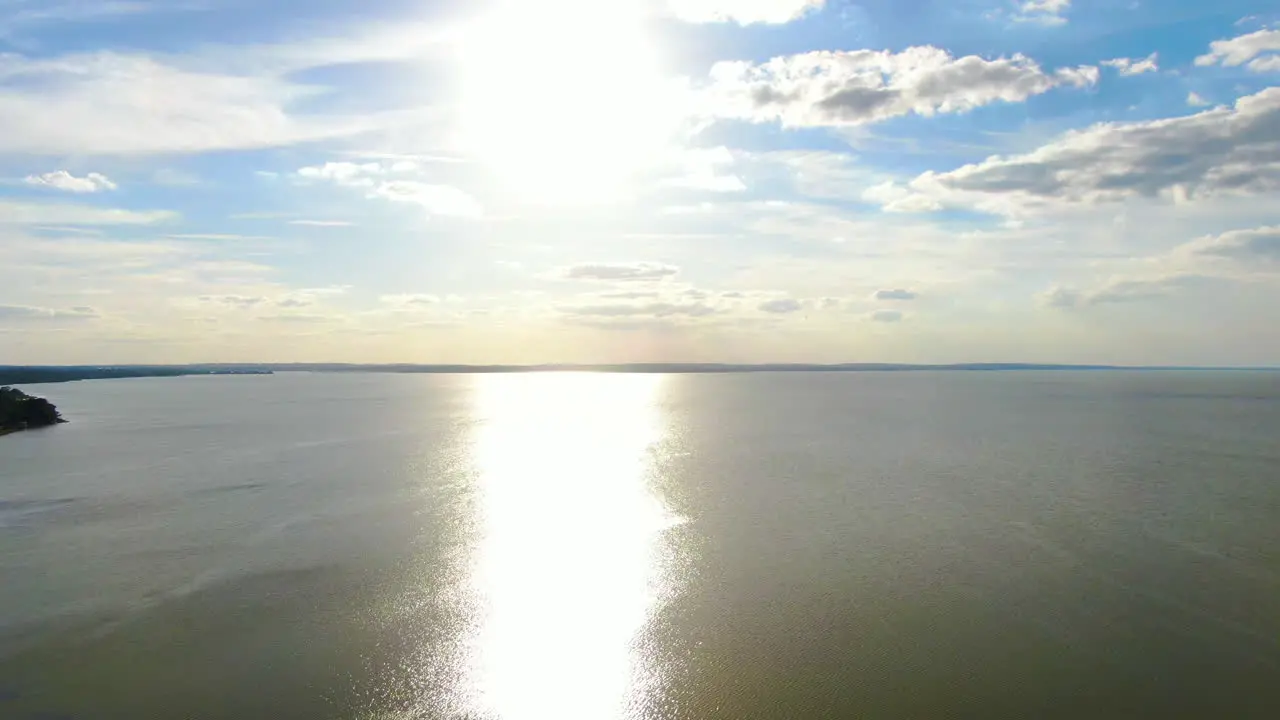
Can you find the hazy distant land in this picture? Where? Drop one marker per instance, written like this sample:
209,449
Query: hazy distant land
35,374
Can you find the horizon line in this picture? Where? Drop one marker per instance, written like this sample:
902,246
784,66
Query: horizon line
635,366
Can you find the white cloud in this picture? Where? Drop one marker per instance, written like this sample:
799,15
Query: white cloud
887,316
620,271
410,301
1062,297
1270,63
1080,76
707,169
1195,100
896,198
1042,12
897,294
216,237
63,180
28,313
298,318
21,213
322,223
1252,246
306,297
667,304
1225,150
19,13
1130,66
443,200
836,88
435,199
235,301
743,12
692,308
1257,51
1126,290
109,103
781,306
346,174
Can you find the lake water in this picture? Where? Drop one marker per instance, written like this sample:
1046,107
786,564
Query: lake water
590,547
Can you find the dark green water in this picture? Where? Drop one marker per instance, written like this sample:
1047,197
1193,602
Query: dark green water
1006,545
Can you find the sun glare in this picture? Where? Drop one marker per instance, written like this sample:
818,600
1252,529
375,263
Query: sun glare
570,566
563,100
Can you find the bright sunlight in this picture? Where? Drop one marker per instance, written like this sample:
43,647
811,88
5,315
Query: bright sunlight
571,564
563,100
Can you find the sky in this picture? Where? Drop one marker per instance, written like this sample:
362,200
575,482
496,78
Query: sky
530,181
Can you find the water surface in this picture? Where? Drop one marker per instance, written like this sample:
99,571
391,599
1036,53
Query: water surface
886,545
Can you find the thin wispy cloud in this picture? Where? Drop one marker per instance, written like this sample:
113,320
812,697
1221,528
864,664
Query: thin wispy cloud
1042,12
322,223
744,12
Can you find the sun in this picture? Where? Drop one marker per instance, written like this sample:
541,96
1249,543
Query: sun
563,101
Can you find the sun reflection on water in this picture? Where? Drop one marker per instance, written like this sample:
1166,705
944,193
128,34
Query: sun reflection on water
568,569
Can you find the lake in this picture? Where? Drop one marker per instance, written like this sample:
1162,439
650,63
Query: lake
600,546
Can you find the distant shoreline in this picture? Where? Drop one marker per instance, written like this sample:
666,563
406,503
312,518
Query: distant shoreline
43,374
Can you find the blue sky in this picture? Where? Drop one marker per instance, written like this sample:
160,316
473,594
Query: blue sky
639,180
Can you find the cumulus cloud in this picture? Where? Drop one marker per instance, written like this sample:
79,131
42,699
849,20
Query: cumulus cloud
743,12
22,213
1259,51
63,180
1042,12
1250,246
887,316
897,294
781,306
1130,66
843,88
26,312
620,271
1195,100
1218,151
